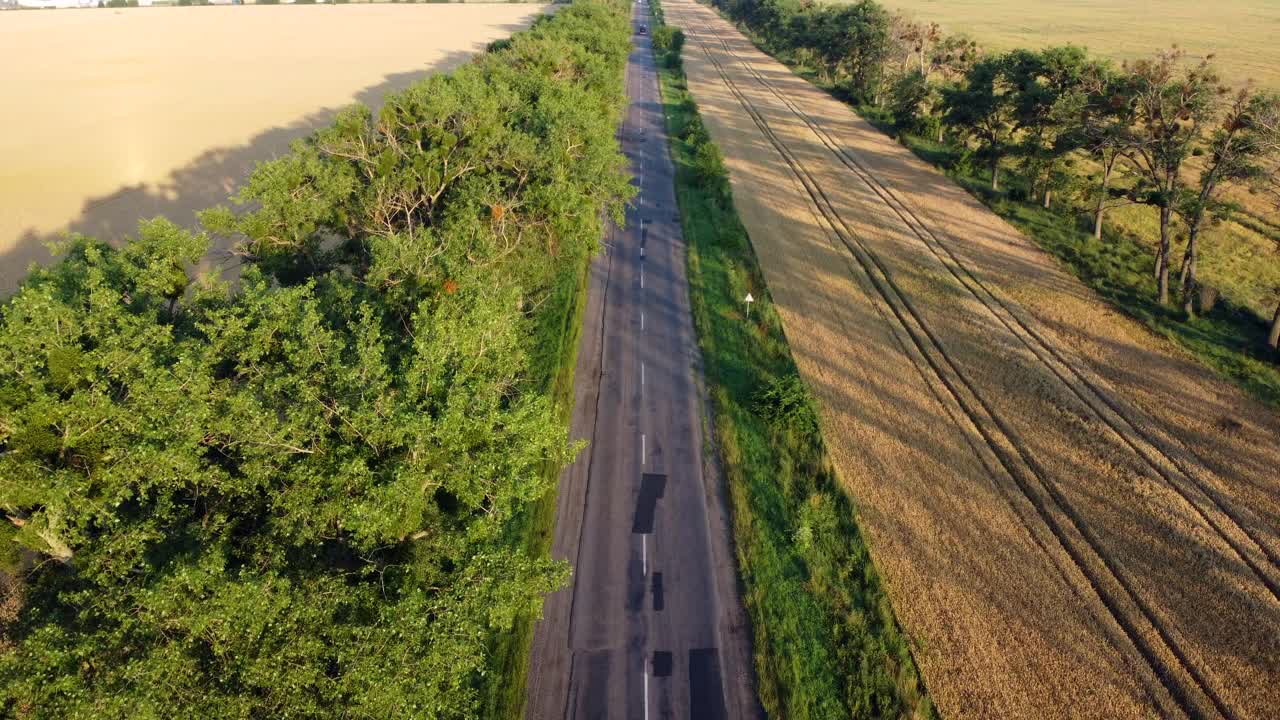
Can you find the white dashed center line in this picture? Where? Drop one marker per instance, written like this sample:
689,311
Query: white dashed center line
646,690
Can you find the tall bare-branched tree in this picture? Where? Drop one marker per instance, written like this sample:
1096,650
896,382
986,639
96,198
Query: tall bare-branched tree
921,54
1237,150
1173,105
950,59
1106,124
921,38
1266,122
901,57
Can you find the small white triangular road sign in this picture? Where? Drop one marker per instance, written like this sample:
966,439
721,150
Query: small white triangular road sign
749,298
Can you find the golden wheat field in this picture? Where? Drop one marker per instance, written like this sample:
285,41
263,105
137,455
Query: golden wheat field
1241,33
1073,518
114,115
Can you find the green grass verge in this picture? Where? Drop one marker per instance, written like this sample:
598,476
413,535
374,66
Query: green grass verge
507,679
826,642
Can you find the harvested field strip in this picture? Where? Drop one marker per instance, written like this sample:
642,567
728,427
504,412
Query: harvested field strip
1108,580
1205,608
1173,463
995,442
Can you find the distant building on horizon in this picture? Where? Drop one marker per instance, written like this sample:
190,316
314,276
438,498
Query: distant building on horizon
56,3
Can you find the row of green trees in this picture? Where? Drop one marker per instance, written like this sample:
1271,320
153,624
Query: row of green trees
292,497
1163,131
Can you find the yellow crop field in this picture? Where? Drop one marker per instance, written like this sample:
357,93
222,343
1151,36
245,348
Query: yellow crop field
1073,519
114,115
1242,33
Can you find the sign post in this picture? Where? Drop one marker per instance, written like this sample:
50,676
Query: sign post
749,300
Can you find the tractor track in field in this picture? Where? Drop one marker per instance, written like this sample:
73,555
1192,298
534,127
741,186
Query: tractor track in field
1178,467
1167,663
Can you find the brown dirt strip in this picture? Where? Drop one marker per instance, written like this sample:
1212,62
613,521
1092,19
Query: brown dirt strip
1122,560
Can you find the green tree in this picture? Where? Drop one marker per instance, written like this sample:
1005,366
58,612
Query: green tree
985,109
913,101
1106,130
1173,107
1050,97
858,45
1238,150
767,17
708,162
668,41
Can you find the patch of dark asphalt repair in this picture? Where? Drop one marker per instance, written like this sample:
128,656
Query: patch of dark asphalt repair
651,489
596,678
662,664
706,700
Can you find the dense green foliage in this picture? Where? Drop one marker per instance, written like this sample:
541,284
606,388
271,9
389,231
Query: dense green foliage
1078,138
826,642
299,497
668,42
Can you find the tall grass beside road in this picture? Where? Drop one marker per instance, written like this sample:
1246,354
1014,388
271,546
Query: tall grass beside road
826,642
504,684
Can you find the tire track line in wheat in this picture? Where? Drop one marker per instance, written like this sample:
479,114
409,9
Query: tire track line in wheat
1115,595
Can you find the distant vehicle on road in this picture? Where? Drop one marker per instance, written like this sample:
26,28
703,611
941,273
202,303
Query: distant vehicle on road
643,30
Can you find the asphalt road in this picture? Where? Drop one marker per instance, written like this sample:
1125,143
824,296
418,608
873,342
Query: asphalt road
652,626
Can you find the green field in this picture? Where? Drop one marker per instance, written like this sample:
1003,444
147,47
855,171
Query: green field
1241,33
